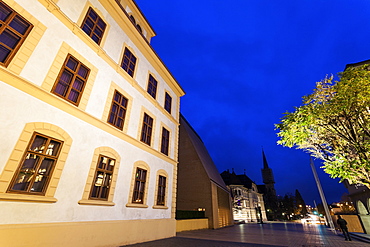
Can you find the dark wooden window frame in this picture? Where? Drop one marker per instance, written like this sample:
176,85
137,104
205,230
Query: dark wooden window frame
152,86
118,109
103,177
94,26
128,62
165,142
39,169
14,29
147,129
75,78
138,195
168,102
161,194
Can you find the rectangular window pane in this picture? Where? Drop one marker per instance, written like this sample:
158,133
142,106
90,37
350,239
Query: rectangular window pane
83,71
38,144
53,148
9,39
42,175
72,64
73,95
19,25
4,12
4,53
87,29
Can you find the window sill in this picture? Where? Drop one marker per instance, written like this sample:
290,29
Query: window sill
160,207
27,198
96,203
136,205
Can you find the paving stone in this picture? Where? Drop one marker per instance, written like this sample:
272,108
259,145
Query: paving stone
258,235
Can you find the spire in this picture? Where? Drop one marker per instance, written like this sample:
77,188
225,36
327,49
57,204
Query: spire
267,175
265,164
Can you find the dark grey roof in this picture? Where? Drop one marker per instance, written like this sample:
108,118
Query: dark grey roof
203,154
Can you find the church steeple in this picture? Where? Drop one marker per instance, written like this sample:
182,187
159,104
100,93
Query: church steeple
269,186
267,175
265,164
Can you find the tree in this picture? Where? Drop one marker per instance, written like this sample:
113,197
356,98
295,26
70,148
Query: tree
300,203
333,124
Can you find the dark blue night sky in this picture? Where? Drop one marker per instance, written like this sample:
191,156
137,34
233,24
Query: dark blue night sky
244,63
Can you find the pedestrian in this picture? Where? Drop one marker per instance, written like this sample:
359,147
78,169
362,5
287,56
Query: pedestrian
343,226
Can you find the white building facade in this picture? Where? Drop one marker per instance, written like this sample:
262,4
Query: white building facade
248,205
89,126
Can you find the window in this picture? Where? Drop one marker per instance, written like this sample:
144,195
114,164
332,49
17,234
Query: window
118,110
139,187
161,190
103,178
71,80
36,168
128,62
133,19
152,86
165,141
168,102
93,26
146,131
139,28
13,31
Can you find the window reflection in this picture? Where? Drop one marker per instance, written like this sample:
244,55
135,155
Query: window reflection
103,178
34,172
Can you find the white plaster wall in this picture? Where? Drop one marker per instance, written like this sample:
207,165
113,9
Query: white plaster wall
70,188
85,136
44,54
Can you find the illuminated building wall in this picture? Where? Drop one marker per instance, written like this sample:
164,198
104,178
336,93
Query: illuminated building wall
89,126
248,203
200,186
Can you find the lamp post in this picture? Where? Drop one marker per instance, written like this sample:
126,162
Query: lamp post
321,192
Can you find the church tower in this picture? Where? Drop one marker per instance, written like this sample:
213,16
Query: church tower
269,189
267,175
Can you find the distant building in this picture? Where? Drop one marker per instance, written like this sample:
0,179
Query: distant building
89,126
199,184
248,204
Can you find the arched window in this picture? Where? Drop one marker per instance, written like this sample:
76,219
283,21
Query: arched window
139,28
132,19
139,185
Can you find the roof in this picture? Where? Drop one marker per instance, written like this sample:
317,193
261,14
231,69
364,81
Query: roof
202,153
357,64
233,179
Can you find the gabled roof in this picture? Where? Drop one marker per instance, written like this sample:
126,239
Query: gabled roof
233,179
202,153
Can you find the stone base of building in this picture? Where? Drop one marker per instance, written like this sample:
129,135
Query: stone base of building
87,233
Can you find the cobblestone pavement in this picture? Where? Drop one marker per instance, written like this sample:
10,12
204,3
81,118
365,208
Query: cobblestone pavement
258,235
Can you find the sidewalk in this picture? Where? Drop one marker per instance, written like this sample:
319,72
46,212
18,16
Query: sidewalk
258,235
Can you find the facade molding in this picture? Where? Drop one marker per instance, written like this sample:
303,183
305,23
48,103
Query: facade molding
55,101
